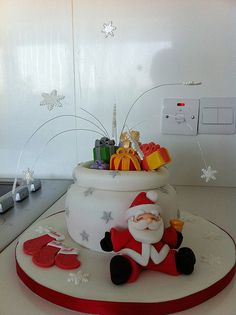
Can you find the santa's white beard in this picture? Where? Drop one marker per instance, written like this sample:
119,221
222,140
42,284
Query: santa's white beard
146,233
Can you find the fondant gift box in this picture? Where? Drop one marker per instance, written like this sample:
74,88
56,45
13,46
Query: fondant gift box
103,150
125,160
155,156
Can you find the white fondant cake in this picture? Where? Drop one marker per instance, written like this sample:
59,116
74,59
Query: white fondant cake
98,200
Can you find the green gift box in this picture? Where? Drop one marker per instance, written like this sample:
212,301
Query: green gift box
102,154
103,150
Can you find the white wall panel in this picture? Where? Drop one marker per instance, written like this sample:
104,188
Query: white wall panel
158,42
35,56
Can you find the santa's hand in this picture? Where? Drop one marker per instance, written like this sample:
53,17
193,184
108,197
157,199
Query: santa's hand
179,239
106,243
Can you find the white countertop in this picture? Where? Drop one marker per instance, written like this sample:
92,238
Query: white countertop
216,204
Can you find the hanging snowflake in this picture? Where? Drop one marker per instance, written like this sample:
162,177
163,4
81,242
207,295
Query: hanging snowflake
28,176
208,174
108,29
52,100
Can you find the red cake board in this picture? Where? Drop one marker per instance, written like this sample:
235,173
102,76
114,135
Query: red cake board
103,307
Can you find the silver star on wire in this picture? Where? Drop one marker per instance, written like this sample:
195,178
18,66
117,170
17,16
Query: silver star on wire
107,216
108,29
208,174
85,236
52,100
28,176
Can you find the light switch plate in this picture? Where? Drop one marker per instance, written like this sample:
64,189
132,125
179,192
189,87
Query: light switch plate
217,115
180,116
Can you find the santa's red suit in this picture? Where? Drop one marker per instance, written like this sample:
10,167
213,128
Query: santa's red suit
159,256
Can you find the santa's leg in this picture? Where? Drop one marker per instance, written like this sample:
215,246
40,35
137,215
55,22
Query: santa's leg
176,263
168,265
123,269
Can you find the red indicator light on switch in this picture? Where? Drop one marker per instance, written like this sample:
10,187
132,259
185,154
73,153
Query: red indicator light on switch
180,104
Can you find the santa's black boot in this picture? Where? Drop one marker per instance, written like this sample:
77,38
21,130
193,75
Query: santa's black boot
185,260
120,269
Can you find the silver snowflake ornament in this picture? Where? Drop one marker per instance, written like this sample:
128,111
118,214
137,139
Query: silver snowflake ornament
52,100
208,174
108,29
107,216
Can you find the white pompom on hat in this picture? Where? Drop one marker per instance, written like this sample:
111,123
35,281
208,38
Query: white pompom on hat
144,202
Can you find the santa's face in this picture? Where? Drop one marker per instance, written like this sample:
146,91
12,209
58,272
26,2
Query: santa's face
146,228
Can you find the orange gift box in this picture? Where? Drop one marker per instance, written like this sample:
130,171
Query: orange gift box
125,160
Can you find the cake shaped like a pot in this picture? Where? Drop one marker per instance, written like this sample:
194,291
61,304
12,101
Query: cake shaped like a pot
98,200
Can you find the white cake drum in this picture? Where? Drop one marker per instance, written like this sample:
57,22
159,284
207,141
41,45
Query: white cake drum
98,200
89,289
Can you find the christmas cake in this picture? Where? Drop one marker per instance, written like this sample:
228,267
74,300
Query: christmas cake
98,199
122,220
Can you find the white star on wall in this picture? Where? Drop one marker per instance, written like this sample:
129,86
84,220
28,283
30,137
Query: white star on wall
208,174
108,29
52,100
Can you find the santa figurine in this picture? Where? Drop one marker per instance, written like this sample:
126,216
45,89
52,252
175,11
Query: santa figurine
146,244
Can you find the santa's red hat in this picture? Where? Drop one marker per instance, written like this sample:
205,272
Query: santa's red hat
144,202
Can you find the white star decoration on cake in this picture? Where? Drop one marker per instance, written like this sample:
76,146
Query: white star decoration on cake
85,236
42,230
52,100
208,174
108,29
79,277
212,236
107,216
114,173
89,191
28,176
211,259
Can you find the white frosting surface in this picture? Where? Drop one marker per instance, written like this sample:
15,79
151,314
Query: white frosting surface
120,180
